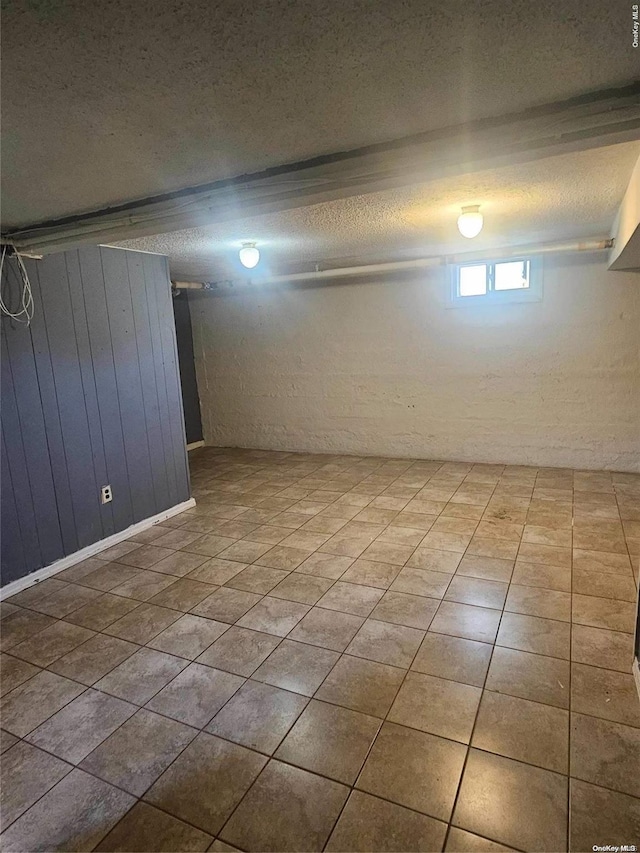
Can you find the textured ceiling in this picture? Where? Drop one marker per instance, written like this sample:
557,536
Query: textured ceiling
116,100
564,197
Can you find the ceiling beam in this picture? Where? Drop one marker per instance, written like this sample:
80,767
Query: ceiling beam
591,121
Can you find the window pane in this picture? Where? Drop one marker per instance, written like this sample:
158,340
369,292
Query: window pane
512,275
473,280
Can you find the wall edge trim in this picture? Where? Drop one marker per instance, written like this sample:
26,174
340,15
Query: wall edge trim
195,444
91,550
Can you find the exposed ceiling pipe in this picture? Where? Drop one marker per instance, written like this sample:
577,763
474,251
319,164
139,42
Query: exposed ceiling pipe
401,266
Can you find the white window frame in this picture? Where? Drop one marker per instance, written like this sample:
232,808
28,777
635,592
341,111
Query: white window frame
533,293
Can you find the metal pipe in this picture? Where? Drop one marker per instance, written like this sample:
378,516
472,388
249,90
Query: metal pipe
400,266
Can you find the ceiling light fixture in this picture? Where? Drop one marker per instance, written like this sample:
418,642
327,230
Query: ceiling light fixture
470,221
249,255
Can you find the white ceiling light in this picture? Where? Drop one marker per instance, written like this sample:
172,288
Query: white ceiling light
249,255
470,221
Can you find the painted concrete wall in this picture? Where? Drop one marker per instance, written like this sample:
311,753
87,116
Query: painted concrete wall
90,397
387,368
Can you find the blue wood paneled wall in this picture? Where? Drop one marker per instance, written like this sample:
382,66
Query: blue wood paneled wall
90,396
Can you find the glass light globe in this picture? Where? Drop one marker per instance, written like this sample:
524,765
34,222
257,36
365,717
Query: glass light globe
470,221
249,255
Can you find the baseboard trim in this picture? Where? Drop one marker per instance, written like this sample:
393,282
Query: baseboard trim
194,445
91,550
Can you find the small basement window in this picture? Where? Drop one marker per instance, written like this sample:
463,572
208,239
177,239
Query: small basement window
513,280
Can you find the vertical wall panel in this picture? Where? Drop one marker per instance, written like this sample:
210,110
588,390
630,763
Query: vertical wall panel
137,282
90,396
9,519
106,387
89,393
57,450
72,413
171,371
127,371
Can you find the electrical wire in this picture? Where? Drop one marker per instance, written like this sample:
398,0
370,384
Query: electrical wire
25,314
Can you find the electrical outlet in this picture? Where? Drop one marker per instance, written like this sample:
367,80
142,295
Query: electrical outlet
106,494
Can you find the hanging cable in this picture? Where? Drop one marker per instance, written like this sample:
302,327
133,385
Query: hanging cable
25,314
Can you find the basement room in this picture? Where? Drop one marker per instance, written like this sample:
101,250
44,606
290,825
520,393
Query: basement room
320,407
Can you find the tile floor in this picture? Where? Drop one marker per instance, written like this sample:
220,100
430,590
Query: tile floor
336,653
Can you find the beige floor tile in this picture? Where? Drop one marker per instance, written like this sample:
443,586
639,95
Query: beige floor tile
196,694
267,535
14,672
75,730
145,556
533,634
330,740
420,521
388,552
143,623
421,582
532,601
137,753
211,544
605,753
146,828
605,693
386,643
600,561
306,540
414,611
483,593
599,647
33,594
325,565
305,589
226,604
486,568
296,667
537,815
145,585
183,594
468,621
598,814
369,823
108,576
206,782
52,643
26,774
357,599
239,650
216,571
140,676
255,578
436,705
601,613
189,636
542,535
92,660
496,549
453,658
414,769
370,573
117,551
101,612
461,841
401,536
530,676
603,585
20,625
330,629
527,731
544,577
258,716
284,558
274,616
31,703
497,528
180,563
286,809
362,685
434,560
74,815
243,551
